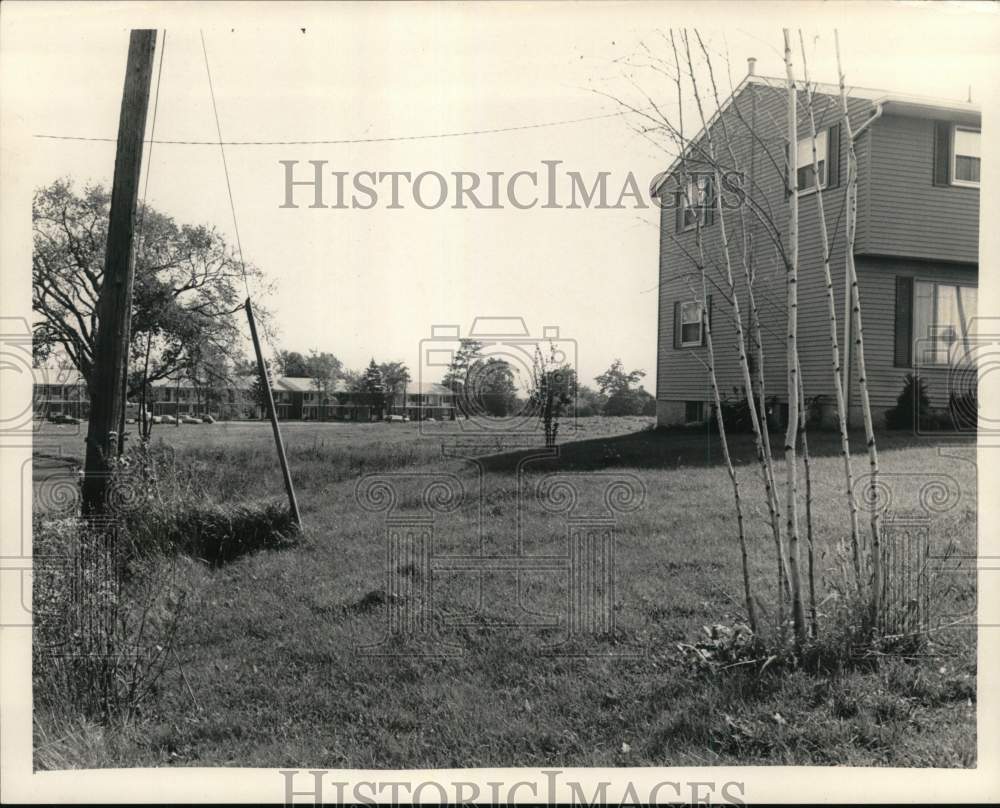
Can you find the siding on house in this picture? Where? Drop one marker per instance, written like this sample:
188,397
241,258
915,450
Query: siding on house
682,373
906,226
877,285
909,215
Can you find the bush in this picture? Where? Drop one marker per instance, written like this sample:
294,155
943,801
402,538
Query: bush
912,400
736,414
964,411
104,623
166,507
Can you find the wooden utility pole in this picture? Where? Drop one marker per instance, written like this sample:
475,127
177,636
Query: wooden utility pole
293,504
114,305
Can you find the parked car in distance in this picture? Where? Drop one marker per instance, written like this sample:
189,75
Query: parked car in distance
190,419
167,419
67,419
156,419
207,419
398,418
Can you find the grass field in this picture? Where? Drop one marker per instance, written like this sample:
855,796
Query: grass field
275,664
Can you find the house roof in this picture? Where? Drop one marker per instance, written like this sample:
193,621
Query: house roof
236,382
296,384
427,388
910,105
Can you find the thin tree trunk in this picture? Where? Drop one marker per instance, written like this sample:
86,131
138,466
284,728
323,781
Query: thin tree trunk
740,527
791,434
852,217
845,448
807,473
761,436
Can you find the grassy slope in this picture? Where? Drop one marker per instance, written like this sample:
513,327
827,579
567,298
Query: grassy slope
271,652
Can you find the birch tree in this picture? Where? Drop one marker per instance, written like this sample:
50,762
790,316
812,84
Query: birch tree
791,434
838,388
852,217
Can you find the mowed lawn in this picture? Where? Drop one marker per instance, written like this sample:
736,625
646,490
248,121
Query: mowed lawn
287,658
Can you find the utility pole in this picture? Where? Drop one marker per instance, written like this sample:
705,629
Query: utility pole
114,305
293,505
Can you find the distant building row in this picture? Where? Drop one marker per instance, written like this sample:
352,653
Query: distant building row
63,391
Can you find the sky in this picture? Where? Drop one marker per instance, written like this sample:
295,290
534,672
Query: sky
376,283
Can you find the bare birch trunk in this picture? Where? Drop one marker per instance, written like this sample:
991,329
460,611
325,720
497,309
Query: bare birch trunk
724,443
852,216
741,534
807,473
761,438
845,448
791,434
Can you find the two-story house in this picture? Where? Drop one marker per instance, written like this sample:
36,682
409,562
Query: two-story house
60,391
916,248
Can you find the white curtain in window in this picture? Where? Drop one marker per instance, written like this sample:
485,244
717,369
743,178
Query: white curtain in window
943,316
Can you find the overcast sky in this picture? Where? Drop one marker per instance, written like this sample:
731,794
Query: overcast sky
364,283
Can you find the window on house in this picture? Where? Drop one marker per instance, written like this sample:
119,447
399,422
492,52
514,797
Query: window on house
804,161
943,315
966,156
694,412
691,324
696,202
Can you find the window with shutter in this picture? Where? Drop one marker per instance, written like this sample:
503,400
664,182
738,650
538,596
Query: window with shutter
965,156
902,353
942,152
805,177
696,205
690,324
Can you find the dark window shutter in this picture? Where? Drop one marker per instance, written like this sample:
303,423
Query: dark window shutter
709,200
788,167
942,152
679,223
708,316
903,352
677,324
833,156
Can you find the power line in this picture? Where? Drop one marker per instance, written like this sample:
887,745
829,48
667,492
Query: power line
348,141
225,166
229,188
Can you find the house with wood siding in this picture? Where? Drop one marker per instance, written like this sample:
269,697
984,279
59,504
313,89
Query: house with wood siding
916,248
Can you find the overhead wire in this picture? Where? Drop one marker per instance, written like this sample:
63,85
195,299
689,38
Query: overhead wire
351,141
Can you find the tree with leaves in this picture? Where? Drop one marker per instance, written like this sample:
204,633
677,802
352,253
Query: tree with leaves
395,377
490,387
325,371
188,289
619,386
293,363
456,378
553,390
373,388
